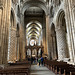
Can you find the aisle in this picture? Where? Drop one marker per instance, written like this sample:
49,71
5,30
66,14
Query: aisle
36,70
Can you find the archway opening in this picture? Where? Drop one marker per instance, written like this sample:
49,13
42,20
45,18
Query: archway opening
62,37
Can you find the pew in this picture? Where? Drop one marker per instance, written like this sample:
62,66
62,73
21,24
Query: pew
53,65
68,71
65,67
72,73
14,71
20,63
18,68
60,67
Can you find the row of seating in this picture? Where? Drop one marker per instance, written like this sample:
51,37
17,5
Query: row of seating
22,68
60,67
20,63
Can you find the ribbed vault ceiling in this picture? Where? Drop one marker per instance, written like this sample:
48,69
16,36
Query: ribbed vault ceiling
33,9
33,30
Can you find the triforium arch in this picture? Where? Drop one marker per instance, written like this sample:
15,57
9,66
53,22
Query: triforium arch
18,11
61,34
54,52
51,11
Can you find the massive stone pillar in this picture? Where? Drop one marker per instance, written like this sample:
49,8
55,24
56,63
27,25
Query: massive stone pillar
44,38
22,44
70,21
12,38
73,30
48,37
5,7
0,33
12,46
61,44
72,16
23,37
44,34
47,31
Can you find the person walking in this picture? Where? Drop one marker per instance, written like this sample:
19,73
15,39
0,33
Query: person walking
39,61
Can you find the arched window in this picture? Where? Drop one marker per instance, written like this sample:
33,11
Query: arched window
18,11
51,12
17,32
12,19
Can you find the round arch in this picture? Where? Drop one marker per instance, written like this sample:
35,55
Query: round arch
61,33
60,15
32,4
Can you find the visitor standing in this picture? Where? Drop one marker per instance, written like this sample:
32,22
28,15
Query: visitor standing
42,60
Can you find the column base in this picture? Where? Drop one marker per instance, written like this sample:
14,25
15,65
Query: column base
70,62
64,59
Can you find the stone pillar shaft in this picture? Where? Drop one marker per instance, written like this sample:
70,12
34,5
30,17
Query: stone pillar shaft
54,52
70,21
0,32
72,16
47,34
17,49
4,29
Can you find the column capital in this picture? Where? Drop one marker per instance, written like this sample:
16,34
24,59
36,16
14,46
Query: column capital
47,15
21,14
59,28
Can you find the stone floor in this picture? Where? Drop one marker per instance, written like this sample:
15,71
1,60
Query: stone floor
36,70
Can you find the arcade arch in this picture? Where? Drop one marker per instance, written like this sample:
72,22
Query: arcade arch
61,34
31,3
